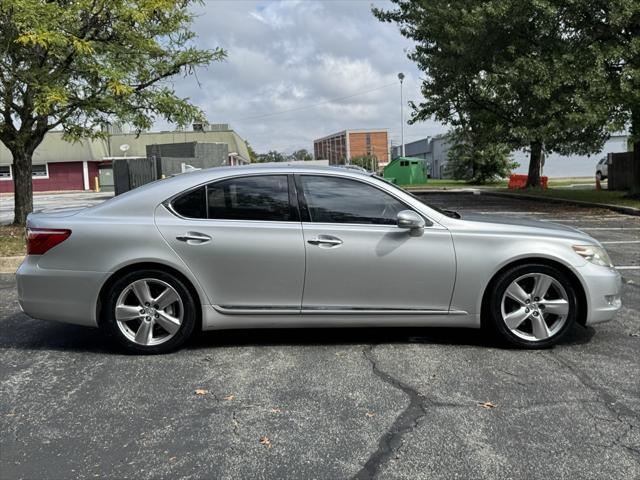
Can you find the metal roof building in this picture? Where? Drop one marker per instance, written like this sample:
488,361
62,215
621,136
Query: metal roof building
62,165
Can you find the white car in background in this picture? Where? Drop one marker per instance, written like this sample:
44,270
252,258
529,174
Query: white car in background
602,169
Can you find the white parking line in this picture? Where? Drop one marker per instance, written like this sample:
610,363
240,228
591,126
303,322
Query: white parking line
608,228
620,241
629,267
491,212
608,219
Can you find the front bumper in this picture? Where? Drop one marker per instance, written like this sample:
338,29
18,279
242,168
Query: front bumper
62,295
603,290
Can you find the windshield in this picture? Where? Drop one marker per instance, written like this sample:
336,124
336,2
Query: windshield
448,213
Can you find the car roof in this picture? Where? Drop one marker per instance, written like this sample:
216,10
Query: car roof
284,167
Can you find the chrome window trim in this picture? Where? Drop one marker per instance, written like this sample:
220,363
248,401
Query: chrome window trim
430,223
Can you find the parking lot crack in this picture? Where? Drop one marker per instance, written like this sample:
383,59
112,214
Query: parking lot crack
391,440
235,422
610,402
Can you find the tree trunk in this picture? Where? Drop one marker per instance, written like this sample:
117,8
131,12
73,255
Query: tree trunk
535,163
22,185
635,135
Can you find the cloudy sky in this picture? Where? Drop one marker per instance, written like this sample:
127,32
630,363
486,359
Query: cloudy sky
285,56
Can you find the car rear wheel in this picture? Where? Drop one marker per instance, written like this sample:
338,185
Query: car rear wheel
533,306
149,311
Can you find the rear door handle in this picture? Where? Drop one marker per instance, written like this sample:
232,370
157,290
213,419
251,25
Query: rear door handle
325,240
194,238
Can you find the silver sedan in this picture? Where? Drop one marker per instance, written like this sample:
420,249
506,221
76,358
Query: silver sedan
255,247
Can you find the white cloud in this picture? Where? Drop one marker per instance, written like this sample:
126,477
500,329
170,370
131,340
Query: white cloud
291,54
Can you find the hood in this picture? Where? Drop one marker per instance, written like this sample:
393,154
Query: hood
523,222
500,224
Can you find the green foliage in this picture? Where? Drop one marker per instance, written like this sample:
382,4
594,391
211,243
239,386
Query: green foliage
476,161
84,63
271,156
80,64
301,155
515,67
610,30
253,156
275,156
368,162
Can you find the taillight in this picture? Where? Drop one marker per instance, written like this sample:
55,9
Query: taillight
41,240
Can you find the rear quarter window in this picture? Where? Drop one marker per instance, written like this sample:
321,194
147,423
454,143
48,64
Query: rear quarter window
192,204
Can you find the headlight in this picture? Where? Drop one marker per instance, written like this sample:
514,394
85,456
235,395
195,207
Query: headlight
594,254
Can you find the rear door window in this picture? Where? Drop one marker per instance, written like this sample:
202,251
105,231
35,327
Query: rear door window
261,197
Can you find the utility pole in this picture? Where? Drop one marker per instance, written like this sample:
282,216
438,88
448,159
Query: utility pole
401,78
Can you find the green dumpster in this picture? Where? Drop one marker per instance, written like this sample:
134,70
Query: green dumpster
407,171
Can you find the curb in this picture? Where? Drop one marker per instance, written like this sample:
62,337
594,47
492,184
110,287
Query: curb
10,264
579,203
426,191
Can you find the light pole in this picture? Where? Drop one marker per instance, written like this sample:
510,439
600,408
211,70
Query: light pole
401,78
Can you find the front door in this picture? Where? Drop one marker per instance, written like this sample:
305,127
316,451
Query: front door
358,259
242,239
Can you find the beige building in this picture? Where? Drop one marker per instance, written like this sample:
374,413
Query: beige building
62,165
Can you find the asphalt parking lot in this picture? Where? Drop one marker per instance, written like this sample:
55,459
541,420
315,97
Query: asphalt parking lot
331,404
45,201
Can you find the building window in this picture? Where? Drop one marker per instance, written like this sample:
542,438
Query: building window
5,172
368,143
39,171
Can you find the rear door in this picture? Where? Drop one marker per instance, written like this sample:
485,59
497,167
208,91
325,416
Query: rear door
242,238
359,260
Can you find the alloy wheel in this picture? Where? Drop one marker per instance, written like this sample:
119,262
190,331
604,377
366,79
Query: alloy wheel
149,312
535,307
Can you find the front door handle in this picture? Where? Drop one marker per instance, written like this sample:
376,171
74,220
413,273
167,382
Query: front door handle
194,238
325,241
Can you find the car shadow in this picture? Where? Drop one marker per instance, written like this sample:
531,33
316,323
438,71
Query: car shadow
340,336
23,333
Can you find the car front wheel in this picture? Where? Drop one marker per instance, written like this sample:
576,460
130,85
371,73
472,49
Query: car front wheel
149,311
533,306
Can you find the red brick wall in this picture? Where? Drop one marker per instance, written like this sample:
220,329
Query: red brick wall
379,145
62,176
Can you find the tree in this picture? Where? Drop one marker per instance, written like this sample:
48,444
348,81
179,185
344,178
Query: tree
513,66
76,65
610,31
253,156
301,155
475,160
368,162
271,156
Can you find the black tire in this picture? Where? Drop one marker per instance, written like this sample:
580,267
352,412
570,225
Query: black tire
599,176
188,310
498,289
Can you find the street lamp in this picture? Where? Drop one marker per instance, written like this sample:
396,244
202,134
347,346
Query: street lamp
401,78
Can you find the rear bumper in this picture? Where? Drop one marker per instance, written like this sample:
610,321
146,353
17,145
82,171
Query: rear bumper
62,295
603,289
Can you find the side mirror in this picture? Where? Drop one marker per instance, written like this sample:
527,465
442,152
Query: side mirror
411,221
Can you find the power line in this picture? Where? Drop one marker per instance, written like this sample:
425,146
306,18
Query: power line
297,109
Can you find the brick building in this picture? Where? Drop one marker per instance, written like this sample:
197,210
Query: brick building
340,147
